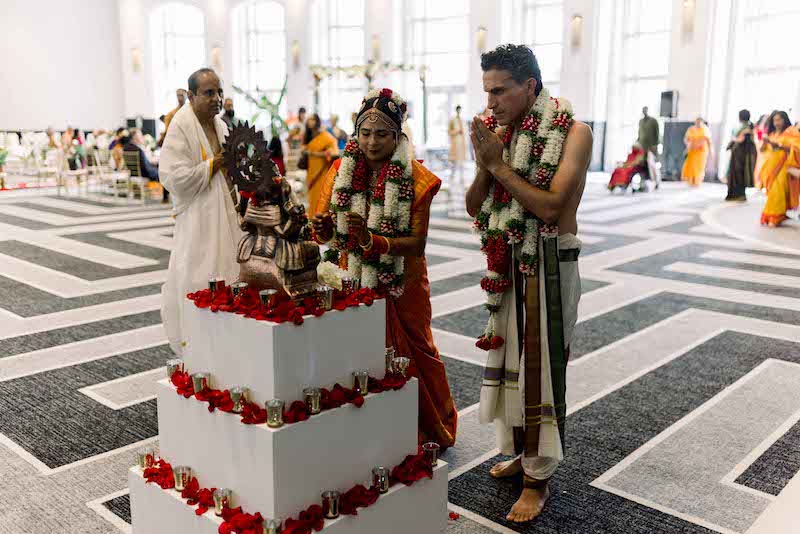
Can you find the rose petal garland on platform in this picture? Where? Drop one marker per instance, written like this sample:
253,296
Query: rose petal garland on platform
533,152
279,308
235,521
300,410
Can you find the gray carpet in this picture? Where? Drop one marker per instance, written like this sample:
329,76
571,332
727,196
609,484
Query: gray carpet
608,482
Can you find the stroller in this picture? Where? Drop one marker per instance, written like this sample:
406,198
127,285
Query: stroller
639,168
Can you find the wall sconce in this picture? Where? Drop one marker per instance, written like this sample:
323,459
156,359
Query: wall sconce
688,8
295,49
480,39
136,60
576,31
376,48
216,59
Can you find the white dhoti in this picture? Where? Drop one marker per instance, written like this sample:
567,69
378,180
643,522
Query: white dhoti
206,224
503,392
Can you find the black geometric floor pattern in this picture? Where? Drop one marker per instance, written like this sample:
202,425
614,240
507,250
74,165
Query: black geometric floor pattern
605,432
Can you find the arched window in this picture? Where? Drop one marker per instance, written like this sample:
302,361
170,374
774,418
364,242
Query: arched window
178,37
768,77
438,37
642,72
540,25
259,51
337,29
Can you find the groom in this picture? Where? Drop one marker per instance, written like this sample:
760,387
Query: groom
532,159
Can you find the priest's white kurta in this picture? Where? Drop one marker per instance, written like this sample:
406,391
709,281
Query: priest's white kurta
206,225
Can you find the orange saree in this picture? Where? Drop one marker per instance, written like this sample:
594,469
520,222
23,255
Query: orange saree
408,318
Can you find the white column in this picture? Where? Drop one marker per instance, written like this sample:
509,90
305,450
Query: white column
692,22
489,15
579,63
137,86
300,86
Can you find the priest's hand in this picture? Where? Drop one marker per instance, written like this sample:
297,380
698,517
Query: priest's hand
323,226
358,228
218,163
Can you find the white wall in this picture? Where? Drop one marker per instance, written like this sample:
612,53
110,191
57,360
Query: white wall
60,64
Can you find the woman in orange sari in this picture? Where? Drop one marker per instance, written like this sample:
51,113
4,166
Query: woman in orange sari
783,189
698,146
373,211
321,148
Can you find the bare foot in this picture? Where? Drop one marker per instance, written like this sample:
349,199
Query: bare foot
529,506
508,468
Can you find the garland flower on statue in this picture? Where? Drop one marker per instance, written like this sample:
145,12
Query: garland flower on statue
533,152
389,213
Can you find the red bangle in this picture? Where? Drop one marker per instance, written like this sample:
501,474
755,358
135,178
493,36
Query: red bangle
380,245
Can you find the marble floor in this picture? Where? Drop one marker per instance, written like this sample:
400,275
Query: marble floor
683,413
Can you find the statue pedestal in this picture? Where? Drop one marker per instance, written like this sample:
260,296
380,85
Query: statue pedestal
280,472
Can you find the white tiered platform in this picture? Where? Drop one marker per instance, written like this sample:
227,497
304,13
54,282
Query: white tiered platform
280,472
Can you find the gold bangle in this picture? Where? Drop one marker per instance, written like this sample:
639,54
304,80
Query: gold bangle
388,245
368,247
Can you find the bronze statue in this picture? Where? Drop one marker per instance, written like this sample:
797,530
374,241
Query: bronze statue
276,252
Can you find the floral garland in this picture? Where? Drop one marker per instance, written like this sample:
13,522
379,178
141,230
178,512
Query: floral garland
534,153
253,414
389,212
413,468
249,304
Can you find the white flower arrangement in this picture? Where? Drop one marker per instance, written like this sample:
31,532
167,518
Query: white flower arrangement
330,274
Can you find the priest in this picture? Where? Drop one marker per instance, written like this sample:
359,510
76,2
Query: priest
206,225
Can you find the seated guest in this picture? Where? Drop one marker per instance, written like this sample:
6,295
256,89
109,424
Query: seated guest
135,143
276,154
636,163
119,135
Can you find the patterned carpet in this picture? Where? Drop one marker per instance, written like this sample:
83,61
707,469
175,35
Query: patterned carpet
682,388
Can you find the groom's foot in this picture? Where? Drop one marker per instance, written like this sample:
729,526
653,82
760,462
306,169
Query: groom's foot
530,505
508,468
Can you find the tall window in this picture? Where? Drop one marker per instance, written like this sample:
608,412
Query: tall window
439,38
337,28
645,52
178,37
543,31
771,65
259,55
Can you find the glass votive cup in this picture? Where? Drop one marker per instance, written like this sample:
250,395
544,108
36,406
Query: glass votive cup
361,381
182,474
400,365
239,396
274,413
201,380
268,297
173,365
431,452
313,396
222,500
380,479
330,504
238,288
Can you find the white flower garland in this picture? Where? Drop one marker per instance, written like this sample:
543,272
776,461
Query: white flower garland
389,216
534,152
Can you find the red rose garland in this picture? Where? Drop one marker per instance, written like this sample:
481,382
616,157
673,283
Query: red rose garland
248,303
253,414
413,468
502,222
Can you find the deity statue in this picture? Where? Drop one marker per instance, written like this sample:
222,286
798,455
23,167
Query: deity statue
276,253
